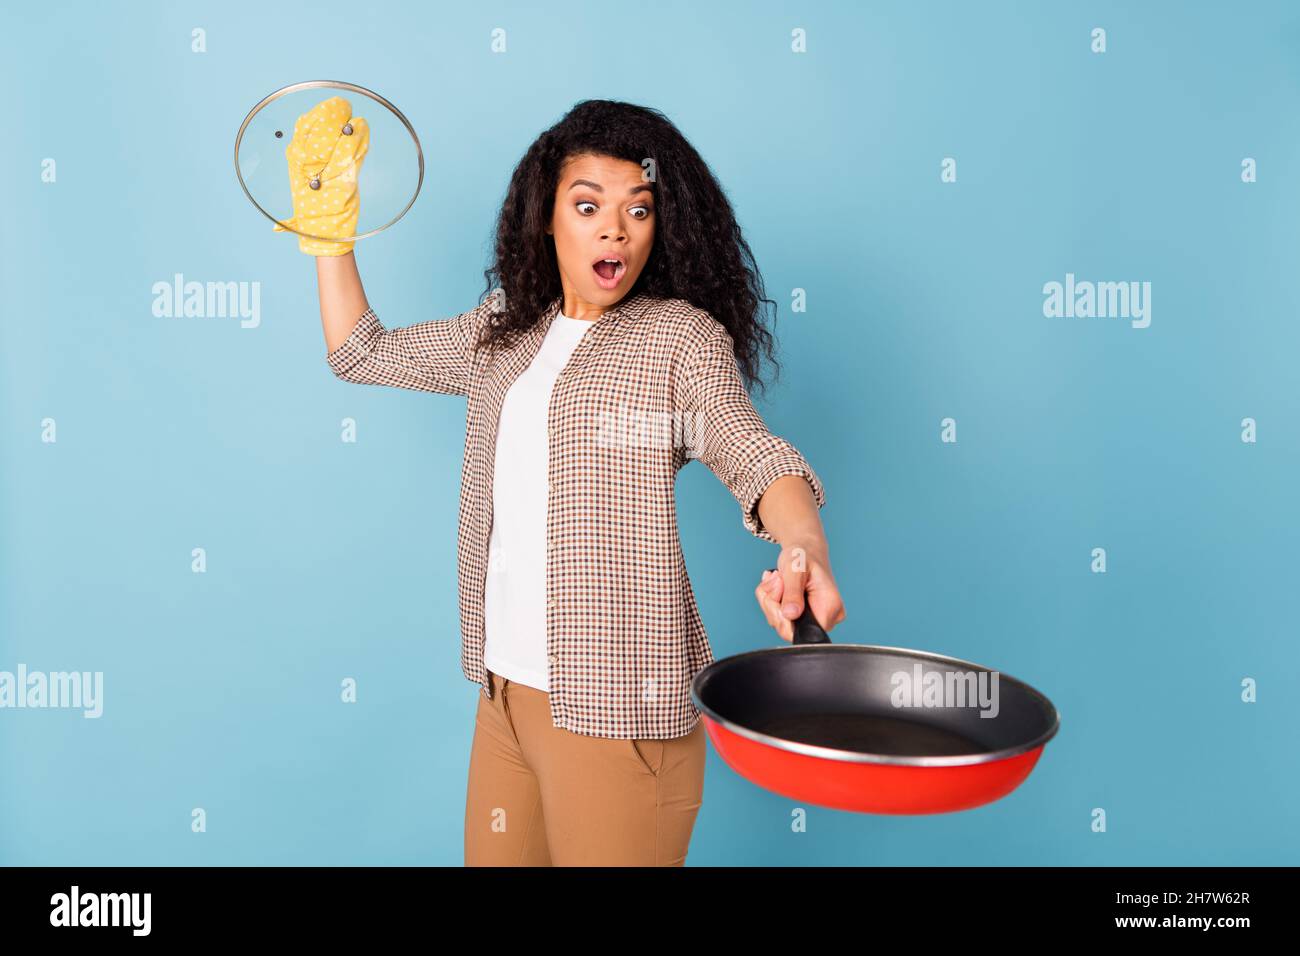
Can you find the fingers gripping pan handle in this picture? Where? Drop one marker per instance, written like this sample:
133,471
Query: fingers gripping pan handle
806,628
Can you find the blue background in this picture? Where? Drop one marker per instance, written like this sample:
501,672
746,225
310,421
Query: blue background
328,560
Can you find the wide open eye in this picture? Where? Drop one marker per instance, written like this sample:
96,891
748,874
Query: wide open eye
584,203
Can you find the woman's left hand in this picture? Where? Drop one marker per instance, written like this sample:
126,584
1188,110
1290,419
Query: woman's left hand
800,571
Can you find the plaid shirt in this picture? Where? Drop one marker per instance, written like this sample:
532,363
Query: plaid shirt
651,385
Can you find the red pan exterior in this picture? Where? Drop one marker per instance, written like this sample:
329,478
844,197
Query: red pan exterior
870,787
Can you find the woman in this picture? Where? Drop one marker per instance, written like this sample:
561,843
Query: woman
612,352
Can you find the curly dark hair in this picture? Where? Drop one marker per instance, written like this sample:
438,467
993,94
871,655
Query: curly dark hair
698,254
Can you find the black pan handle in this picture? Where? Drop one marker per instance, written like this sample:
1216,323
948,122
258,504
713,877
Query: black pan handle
806,628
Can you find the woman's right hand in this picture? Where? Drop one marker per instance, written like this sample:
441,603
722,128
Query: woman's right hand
328,148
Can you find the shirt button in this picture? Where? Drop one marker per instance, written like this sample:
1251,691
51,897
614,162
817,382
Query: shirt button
551,603
553,658
550,486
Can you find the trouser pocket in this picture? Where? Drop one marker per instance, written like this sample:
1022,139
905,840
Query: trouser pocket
650,751
494,714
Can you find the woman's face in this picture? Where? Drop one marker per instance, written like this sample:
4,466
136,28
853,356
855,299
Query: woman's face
603,209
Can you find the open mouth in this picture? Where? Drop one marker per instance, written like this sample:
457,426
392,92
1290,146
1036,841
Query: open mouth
610,271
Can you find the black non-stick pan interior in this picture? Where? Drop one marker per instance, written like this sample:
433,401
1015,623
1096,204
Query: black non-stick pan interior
839,696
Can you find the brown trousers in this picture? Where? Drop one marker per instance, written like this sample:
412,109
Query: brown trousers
541,795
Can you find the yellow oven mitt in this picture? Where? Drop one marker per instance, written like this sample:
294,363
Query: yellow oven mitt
325,157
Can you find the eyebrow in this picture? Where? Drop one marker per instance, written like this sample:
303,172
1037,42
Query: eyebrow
644,187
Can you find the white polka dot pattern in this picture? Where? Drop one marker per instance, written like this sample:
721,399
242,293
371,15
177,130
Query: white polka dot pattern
321,151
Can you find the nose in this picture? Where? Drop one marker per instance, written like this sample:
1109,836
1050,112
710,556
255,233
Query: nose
613,229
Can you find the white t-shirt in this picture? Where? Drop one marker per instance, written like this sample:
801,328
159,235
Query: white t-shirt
515,597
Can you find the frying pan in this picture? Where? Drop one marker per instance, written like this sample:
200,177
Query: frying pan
866,728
